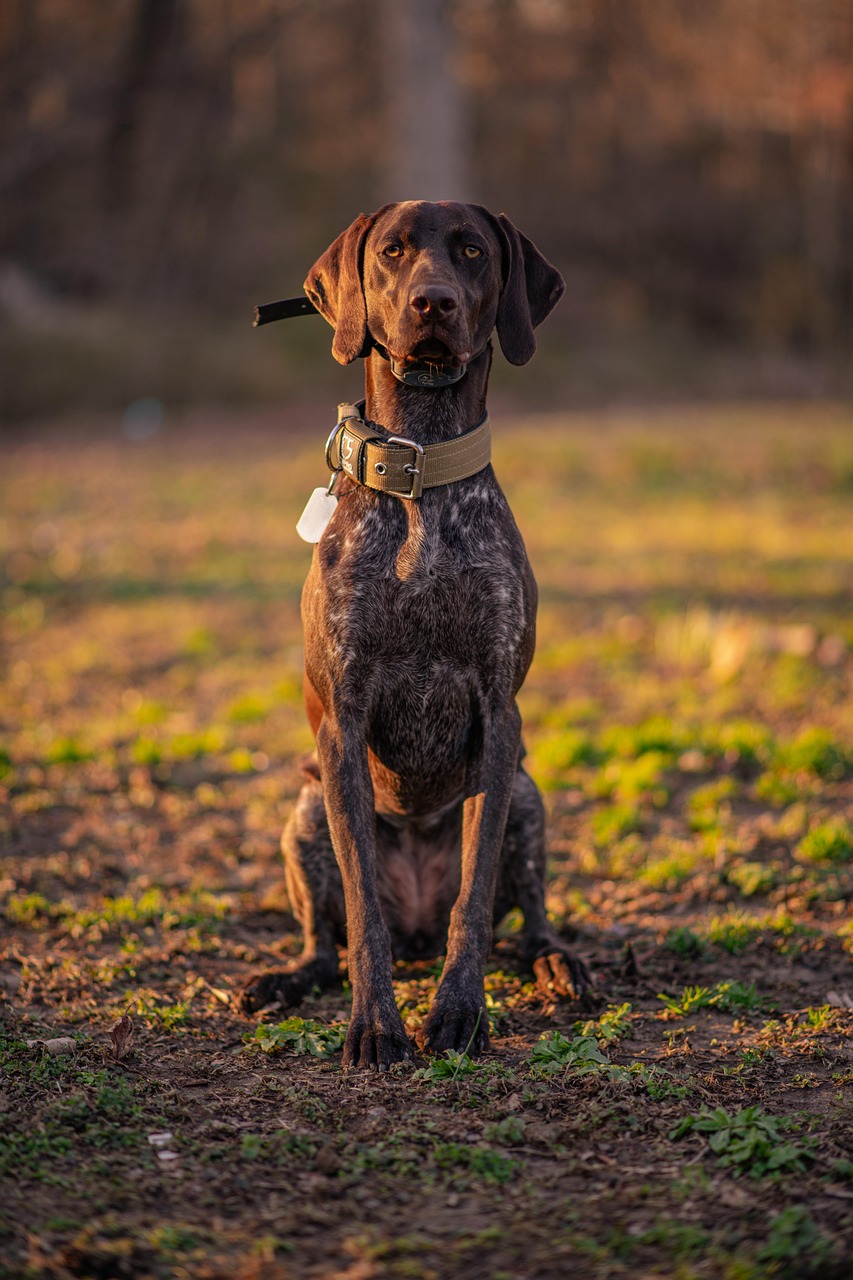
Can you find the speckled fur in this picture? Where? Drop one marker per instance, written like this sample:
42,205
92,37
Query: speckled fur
417,827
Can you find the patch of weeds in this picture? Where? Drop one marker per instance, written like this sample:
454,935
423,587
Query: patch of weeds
146,751
617,860
197,909
414,999
27,1152
753,1057
822,1017
733,931
803,1080
398,1156
242,760
790,824
299,1035
748,1142
32,910
173,1238
491,1166
450,1066
251,708
737,997
659,1085
708,806
815,751
828,842
251,1145
789,934
730,997
741,742
102,1119
508,1132
794,1238
685,942
634,779
751,878
790,680
613,1024
157,1013
496,1014
613,822
691,999
150,750
779,788
658,734
680,1239
672,869
556,754
267,1247
67,751
553,1053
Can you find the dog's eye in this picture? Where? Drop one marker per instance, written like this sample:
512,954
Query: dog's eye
393,251
472,251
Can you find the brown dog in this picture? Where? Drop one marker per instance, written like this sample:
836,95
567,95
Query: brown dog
418,828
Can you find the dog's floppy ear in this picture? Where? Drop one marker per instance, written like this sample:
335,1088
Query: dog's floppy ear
335,286
532,287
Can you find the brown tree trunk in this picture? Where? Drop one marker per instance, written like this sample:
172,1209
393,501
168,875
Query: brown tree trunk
427,144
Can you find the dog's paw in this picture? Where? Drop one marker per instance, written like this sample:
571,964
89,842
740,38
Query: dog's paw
462,1026
561,973
264,989
373,1046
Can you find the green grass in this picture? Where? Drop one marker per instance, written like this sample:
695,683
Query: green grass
553,1053
827,842
299,1036
729,997
748,1142
688,712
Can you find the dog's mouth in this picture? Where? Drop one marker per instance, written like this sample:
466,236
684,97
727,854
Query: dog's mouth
433,351
431,362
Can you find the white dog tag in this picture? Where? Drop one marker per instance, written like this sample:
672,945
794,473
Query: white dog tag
319,510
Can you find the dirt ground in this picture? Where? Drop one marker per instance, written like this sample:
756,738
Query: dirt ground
689,718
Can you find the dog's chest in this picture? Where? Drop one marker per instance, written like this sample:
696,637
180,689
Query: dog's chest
444,585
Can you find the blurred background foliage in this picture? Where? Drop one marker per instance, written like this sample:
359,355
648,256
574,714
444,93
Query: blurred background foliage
166,164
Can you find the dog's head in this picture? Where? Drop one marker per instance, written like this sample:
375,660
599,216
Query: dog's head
430,282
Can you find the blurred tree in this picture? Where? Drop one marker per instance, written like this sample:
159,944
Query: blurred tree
688,163
426,151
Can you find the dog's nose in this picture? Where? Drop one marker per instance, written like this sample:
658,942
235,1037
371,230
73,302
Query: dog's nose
434,300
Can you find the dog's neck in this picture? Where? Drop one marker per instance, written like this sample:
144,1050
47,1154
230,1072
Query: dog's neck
426,415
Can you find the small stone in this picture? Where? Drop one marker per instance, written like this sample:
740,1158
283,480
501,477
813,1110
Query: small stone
60,1045
159,1139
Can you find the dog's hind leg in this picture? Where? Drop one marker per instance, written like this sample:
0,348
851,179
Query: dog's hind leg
317,898
521,883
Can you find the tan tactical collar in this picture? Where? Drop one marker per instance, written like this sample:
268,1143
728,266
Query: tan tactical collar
395,464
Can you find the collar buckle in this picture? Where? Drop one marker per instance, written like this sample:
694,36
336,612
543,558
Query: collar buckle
416,472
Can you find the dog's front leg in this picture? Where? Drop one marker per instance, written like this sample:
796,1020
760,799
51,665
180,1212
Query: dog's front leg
458,1018
376,1036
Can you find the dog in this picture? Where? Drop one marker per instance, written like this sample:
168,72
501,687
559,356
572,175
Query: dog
417,828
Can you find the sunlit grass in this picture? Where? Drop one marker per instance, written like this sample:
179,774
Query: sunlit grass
688,716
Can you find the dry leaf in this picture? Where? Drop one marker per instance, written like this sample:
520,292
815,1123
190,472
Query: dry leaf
121,1036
